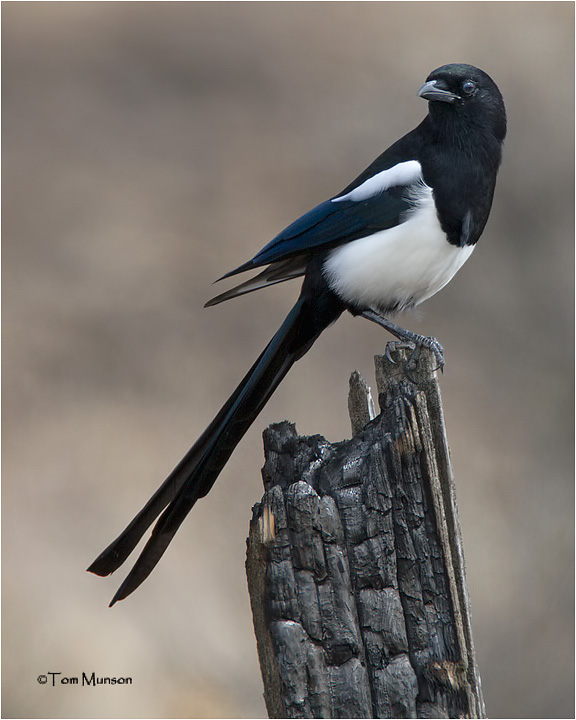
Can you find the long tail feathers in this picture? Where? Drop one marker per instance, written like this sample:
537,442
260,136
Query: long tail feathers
194,476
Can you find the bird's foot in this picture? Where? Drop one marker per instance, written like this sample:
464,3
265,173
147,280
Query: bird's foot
415,344
408,339
430,343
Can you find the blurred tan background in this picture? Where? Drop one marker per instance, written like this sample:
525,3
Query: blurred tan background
149,148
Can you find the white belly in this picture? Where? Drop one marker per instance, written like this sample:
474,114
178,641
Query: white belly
400,267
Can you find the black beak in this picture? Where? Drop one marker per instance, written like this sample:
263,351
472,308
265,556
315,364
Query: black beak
432,91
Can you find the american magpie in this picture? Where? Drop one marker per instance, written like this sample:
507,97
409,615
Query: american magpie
387,242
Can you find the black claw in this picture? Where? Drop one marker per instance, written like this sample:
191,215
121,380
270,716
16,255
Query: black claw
390,346
396,345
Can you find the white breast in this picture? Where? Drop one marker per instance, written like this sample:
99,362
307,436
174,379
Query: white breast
400,267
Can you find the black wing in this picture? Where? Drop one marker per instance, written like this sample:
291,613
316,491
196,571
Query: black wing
328,225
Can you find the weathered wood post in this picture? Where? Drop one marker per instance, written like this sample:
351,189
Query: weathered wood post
355,565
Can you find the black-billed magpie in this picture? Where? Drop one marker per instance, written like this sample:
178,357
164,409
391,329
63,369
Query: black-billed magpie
387,242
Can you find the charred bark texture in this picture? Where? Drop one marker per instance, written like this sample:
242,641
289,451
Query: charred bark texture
355,564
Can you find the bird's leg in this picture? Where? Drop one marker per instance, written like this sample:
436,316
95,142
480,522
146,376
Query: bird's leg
412,339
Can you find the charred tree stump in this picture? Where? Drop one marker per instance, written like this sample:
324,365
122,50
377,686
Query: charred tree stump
355,565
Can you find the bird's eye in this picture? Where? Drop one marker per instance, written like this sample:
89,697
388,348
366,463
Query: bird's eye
469,86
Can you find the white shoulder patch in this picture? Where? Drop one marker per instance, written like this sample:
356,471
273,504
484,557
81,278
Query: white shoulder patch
404,173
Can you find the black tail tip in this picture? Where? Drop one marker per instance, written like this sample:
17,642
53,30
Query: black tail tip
99,568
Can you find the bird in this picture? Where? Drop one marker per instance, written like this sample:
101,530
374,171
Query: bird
388,241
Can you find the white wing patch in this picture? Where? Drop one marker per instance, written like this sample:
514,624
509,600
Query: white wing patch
404,173
400,267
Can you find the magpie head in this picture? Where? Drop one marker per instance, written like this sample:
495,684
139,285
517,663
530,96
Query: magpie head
464,92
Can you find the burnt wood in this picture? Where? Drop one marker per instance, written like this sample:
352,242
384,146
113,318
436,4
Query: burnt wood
355,565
